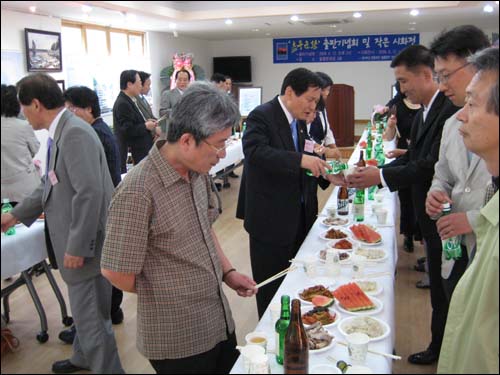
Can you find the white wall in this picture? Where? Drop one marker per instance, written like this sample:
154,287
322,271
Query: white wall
13,25
371,80
163,46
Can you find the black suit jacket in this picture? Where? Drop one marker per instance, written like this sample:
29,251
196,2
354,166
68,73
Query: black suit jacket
273,185
130,130
415,169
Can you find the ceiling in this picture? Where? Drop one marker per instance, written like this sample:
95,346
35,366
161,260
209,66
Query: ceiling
269,19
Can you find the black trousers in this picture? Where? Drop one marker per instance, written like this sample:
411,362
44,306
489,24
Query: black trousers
458,270
408,222
439,301
218,360
268,259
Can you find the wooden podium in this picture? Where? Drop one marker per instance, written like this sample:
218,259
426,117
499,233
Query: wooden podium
340,110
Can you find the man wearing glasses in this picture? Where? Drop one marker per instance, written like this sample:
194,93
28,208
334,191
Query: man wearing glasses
160,243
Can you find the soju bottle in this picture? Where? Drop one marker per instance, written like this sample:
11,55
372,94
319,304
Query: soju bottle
369,144
451,246
296,357
336,167
7,207
371,192
359,198
281,327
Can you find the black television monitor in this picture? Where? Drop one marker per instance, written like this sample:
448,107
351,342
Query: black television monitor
239,68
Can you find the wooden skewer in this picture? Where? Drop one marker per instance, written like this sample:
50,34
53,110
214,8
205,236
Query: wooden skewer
379,274
376,352
277,276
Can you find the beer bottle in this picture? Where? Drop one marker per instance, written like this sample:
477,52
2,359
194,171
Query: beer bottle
359,198
281,327
451,246
343,201
296,359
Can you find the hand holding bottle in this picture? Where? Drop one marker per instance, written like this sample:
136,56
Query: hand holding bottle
434,202
316,165
8,221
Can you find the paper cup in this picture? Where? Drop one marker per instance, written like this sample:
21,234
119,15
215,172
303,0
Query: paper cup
357,345
331,211
376,206
379,197
381,215
358,266
311,267
257,338
275,312
249,352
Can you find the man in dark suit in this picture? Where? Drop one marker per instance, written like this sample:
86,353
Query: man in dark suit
130,127
413,68
74,194
275,197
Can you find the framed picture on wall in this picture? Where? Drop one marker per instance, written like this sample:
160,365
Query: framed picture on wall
60,82
43,51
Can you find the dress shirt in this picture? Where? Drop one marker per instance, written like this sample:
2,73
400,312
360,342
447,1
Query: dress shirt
470,343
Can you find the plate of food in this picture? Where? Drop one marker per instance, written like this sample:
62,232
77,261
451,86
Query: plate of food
344,256
372,254
334,234
338,221
366,234
320,340
352,300
345,244
370,287
323,314
375,328
307,294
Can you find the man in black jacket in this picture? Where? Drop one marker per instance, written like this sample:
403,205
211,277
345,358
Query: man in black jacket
413,68
130,127
276,198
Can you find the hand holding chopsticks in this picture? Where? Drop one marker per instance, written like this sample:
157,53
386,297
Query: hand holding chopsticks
277,276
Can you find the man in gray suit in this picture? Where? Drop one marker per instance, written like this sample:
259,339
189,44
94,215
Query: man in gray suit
169,98
460,177
74,194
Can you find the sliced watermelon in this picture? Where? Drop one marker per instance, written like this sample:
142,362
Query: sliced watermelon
322,301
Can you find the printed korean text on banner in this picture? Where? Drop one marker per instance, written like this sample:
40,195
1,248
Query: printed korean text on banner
341,48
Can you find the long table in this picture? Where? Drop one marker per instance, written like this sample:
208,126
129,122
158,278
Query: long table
298,280
20,254
234,154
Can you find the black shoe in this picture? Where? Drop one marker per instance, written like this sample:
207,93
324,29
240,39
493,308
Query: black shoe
408,244
419,267
426,357
65,366
233,175
117,316
68,335
226,185
423,284
218,186
422,260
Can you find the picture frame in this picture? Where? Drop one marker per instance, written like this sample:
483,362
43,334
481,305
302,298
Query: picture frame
60,82
43,51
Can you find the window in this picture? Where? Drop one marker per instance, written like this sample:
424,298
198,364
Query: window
95,56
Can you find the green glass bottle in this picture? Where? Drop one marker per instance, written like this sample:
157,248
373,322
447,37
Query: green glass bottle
336,167
371,192
451,246
359,198
281,327
369,144
7,207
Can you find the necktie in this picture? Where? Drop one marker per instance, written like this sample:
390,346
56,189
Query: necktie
49,146
295,136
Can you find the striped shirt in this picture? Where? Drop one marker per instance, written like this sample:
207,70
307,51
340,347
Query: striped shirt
159,228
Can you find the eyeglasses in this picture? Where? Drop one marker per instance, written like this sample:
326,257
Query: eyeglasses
444,78
217,149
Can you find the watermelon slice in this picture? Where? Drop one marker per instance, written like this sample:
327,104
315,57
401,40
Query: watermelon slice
322,301
364,233
352,298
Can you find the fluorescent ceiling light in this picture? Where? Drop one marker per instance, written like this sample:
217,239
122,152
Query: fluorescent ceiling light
32,9
488,8
228,22
357,15
414,12
294,18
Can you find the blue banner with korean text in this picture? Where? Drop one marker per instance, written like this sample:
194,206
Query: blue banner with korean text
341,48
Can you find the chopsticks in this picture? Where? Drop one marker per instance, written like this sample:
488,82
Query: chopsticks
376,352
277,276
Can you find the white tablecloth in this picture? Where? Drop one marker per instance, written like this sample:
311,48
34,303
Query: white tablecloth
297,280
24,249
234,153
